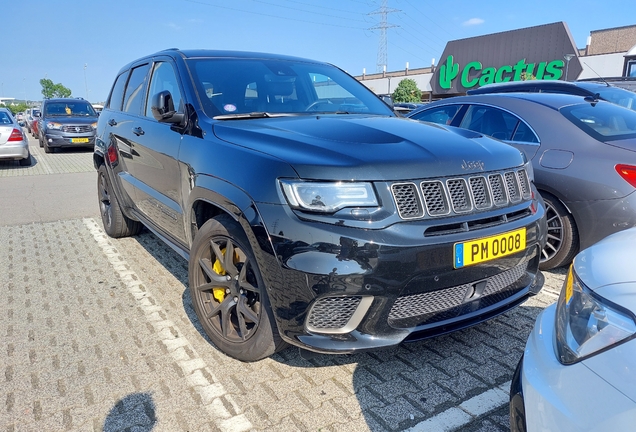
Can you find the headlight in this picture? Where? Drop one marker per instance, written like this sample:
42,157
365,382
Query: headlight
53,125
586,324
94,125
328,197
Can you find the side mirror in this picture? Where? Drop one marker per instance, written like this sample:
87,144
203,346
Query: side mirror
162,108
36,115
387,100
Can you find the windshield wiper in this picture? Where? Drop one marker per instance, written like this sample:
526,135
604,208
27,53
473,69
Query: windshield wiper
252,115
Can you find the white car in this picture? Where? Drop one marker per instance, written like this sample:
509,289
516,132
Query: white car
578,371
13,142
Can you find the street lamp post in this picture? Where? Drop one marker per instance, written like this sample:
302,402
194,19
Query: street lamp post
567,58
85,80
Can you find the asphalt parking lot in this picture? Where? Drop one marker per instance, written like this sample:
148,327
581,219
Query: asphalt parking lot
99,334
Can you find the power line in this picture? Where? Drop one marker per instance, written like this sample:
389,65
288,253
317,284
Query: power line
306,11
273,16
383,26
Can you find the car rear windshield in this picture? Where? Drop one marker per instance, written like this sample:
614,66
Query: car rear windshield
618,96
70,108
228,87
602,121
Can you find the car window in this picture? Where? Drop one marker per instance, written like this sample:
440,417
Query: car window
524,134
619,96
134,95
490,121
164,78
69,108
4,118
117,93
242,86
442,115
603,121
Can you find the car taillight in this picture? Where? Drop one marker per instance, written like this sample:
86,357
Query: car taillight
628,172
112,155
16,135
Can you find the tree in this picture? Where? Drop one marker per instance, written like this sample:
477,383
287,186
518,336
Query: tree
50,90
407,91
15,108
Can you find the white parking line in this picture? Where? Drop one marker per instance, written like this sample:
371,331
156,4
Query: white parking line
454,418
194,368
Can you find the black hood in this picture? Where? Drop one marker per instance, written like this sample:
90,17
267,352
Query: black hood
337,147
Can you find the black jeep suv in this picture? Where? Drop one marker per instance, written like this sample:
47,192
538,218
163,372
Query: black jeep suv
66,122
309,212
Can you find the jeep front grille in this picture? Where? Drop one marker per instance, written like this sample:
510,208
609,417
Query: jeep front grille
459,195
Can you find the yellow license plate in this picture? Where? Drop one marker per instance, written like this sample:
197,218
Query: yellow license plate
79,140
489,248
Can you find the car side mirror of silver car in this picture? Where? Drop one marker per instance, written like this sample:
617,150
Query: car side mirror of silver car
162,108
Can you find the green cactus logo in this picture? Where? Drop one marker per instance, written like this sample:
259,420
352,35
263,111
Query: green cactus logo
448,72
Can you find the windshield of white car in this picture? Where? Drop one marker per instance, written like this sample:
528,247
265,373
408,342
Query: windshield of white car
242,88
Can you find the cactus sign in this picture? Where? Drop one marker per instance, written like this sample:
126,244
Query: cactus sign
533,52
474,73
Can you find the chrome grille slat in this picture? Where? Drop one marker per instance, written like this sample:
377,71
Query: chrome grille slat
480,193
498,192
513,187
460,195
77,128
524,182
407,199
435,198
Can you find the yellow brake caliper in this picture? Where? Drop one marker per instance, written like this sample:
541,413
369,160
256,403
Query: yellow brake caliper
219,292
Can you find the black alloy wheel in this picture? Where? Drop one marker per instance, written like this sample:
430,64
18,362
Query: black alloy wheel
228,292
562,241
116,224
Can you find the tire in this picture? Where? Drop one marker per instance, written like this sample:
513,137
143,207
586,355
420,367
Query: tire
116,224
229,296
26,161
40,142
47,149
563,237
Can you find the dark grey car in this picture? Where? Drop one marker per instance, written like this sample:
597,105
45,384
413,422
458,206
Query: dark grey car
595,89
583,152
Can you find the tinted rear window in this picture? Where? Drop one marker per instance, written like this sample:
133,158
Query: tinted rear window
602,121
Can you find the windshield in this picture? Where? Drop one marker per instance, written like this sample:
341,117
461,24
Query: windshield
602,121
70,108
237,87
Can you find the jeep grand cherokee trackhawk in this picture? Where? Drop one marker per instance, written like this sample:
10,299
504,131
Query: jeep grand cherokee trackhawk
309,212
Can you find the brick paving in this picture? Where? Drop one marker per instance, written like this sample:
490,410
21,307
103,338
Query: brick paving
100,334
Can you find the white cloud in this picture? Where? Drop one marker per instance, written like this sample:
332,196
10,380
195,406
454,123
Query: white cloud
174,26
473,21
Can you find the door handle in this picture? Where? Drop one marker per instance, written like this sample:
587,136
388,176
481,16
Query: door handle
138,131
112,122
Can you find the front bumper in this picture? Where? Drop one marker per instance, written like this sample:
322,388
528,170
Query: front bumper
565,398
340,289
17,150
69,140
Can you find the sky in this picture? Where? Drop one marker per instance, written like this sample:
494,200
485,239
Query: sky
82,44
